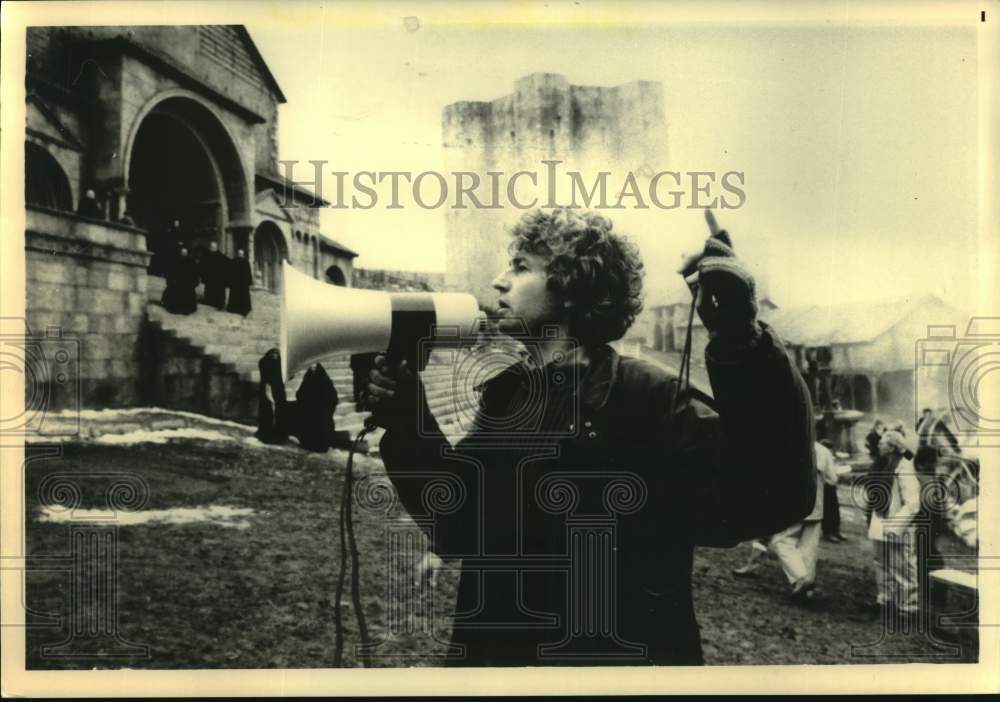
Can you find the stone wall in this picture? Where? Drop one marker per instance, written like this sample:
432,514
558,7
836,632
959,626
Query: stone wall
397,281
87,279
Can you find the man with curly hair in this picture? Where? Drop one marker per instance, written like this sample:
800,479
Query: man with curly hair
577,500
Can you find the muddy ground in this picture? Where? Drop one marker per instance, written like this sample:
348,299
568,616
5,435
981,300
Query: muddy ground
258,591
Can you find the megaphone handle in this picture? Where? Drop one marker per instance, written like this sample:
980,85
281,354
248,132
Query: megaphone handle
371,421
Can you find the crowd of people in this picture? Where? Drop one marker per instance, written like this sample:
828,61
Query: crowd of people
221,275
916,482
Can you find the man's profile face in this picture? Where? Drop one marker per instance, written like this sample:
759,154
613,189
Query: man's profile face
525,301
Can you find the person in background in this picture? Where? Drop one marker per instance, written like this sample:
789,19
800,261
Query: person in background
164,247
933,431
895,495
272,405
240,280
215,267
935,500
831,503
797,546
90,207
871,443
180,296
874,436
315,402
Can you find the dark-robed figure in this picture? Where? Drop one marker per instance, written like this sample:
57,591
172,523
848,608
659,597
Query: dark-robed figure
315,403
272,406
215,267
164,247
240,280
180,296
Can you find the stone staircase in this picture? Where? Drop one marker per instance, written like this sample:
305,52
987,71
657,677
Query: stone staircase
206,362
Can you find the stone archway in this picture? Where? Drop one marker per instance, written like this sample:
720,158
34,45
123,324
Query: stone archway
269,250
45,182
335,275
183,165
658,337
863,394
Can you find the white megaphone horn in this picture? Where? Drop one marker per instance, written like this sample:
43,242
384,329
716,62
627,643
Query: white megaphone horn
320,319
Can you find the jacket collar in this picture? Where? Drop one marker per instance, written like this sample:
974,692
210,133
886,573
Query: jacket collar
595,367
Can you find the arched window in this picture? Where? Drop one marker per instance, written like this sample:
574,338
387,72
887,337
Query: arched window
336,276
45,183
269,252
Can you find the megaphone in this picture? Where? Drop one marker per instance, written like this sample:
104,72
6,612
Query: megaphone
319,319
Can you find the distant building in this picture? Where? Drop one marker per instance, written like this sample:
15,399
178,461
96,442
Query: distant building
588,128
164,124
870,348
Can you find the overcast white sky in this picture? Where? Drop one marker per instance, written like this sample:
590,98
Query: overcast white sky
858,144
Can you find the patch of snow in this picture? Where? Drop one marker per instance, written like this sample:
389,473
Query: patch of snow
99,414
220,515
161,437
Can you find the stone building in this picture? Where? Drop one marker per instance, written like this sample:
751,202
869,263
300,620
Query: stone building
164,124
870,349
589,129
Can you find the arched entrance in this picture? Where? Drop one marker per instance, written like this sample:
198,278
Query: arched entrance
45,183
183,166
336,276
269,251
862,394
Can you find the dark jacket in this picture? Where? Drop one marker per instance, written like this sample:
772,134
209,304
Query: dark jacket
576,509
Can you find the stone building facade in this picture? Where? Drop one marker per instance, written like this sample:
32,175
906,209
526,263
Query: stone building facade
164,124
588,129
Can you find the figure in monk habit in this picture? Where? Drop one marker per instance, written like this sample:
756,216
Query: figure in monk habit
272,406
215,267
180,296
164,247
315,403
240,280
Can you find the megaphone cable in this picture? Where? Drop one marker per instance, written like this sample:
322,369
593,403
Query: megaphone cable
684,372
349,544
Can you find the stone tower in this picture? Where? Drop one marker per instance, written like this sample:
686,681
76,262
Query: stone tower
588,128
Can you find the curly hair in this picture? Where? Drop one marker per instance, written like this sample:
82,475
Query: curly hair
597,271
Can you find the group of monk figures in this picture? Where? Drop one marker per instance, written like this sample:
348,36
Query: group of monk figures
223,277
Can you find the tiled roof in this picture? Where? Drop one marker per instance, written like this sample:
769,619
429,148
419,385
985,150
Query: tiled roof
849,323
